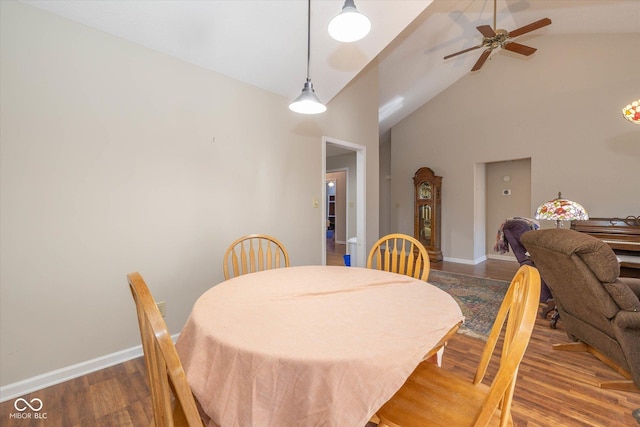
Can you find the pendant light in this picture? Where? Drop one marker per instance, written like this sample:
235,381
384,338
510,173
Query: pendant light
349,25
308,102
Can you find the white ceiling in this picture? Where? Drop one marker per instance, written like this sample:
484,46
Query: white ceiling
264,42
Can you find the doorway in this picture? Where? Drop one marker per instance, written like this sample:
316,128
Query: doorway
344,156
336,214
508,194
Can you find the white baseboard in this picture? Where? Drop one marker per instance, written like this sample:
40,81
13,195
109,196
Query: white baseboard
481,259
61,375
502,257
458,260
465,261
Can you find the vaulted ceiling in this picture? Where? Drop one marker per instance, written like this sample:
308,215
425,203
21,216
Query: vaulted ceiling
264,42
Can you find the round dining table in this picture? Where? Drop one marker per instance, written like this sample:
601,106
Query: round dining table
309,345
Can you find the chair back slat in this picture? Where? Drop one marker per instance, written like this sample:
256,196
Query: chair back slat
261,265
257,252
252,258
402,254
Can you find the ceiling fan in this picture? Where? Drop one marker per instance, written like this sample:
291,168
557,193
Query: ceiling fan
494,38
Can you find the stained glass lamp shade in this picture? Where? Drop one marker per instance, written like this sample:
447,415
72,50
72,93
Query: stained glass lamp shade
632,112
561,210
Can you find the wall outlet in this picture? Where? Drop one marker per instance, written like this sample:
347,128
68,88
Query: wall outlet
162,307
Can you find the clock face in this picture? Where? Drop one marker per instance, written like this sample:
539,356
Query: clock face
424,191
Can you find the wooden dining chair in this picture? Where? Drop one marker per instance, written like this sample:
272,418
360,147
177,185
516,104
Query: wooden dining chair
400,253
435,396
255,252
164,370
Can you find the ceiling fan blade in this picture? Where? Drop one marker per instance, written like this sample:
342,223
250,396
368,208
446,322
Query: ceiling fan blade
528,28
483,58
519,48
486,30
463,51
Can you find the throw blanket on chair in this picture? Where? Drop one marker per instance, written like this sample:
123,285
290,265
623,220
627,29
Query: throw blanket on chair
502,245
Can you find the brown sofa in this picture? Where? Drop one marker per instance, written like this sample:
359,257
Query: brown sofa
599,310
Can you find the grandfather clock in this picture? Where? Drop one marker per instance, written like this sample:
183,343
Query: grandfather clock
428,198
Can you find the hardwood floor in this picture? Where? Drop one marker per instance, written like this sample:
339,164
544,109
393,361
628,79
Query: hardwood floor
553,388
335,251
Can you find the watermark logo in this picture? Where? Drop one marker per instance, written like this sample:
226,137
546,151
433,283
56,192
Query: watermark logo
21,404
28,409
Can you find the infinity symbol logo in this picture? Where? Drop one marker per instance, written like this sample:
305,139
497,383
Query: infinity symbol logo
21,404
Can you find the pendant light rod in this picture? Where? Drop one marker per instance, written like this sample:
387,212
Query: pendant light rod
308,36
307,102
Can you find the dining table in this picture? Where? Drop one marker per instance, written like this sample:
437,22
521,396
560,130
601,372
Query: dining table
309,345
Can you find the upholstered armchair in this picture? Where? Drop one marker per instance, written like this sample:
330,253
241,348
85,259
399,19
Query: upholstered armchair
600,310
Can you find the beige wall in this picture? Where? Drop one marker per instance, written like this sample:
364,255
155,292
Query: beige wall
116,158
385,187
560,107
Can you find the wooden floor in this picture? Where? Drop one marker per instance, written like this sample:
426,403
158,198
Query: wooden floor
335,252
553,388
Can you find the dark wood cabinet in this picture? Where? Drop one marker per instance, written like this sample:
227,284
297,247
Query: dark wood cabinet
427,211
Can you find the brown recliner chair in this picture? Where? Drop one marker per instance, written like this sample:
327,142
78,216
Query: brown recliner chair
598,308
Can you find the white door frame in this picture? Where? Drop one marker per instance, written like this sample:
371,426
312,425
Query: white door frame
361,155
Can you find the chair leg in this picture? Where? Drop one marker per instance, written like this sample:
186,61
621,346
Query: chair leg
551,306
554,319
439,355
622,385
553,309
574,346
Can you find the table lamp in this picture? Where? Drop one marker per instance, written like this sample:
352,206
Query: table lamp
561,210
632,112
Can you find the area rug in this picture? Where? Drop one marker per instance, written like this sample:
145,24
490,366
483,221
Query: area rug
478,298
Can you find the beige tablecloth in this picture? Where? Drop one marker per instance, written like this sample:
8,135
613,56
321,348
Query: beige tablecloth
309,346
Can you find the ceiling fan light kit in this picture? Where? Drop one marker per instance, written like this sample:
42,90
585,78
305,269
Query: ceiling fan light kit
494,38
349,25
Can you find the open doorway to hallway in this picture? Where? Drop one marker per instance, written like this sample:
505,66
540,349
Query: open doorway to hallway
336,214
349,236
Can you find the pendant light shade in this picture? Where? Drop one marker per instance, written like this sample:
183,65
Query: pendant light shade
307,102
349,25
